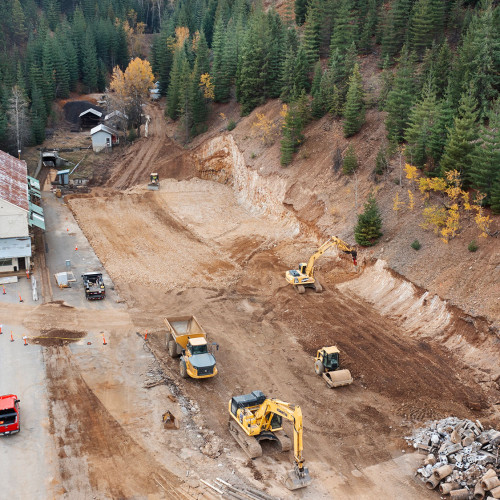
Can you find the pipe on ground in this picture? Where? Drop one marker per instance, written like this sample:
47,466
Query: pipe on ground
462,494
490,483
446,488
479,491
432,482
443,471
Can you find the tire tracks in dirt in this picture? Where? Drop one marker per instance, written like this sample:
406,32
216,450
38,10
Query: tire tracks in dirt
97,456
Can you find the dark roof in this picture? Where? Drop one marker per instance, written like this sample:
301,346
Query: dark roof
13,181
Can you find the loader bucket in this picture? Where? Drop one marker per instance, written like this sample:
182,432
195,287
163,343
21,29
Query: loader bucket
338,378
153,187
298,479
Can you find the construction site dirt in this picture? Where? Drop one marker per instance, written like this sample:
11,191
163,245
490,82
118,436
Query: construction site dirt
195,247
198,252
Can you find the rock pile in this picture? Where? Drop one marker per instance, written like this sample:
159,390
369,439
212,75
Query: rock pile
462,458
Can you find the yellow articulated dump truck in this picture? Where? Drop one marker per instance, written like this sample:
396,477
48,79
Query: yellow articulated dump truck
187,339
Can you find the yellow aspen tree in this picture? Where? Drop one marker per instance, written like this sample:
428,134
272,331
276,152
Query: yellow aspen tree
397,204
265,129
181,35
434,218
411,200
411,173
207,86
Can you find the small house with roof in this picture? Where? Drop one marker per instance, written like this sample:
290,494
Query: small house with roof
89,118
104,137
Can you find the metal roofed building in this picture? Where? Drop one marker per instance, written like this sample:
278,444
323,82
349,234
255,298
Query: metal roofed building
89,118
17,213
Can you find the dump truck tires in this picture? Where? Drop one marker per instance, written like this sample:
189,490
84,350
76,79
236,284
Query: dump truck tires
183,368
172,349
319,368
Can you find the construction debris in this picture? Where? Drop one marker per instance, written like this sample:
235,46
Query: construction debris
227,490
462,458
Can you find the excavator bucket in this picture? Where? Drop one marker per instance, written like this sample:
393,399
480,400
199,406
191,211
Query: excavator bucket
338,378
297,479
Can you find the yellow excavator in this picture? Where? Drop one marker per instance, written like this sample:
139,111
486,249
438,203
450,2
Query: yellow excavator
256,418
303,277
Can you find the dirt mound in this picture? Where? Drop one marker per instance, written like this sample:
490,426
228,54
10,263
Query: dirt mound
72,110
58,337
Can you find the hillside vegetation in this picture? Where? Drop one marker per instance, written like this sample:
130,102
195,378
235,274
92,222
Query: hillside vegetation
440,65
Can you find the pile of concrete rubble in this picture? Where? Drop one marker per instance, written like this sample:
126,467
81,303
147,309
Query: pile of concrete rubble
462,458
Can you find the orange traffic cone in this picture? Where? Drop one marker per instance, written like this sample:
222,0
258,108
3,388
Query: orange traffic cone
76,248
103,340
3,290
25,340
146,336
27,274
1,329
20,299
11,337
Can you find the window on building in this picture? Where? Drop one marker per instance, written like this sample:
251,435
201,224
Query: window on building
5,262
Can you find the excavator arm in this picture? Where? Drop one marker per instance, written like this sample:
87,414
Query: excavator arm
292,413
333,241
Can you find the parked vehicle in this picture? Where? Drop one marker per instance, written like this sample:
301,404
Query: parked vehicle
9,415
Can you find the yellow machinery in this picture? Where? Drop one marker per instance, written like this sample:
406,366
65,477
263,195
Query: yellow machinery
256,417
327,364
304,276
154,183
187,338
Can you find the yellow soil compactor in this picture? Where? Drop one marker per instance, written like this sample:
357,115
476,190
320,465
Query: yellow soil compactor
327,364
254,418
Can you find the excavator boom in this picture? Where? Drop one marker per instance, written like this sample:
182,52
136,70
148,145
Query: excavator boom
334,241
255,416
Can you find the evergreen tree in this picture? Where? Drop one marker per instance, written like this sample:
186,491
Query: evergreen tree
38,116
354,110
395,27
460,148
276,54
317,105
369,27
344,28
350,163
18,22
387,83
368,229
421,122
296,119
253,65
400,99
219,72
486,161
312,34
495,194
180,69
89,63
439,133
421,27
49,71
300,11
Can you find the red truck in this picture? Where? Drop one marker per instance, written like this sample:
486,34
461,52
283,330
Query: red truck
9,414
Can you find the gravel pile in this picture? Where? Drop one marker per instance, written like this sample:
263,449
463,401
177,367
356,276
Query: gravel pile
462,458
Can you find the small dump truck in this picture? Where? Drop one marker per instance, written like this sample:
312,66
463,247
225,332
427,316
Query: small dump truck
9,415
94,286
187,339
327,364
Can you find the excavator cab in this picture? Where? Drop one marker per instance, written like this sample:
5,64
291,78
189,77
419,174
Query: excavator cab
302,267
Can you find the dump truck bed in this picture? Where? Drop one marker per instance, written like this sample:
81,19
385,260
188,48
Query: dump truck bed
184,327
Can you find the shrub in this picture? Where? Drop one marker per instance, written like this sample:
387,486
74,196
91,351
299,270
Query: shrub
381,163
350,163
472,246
416,245
231,125
132,135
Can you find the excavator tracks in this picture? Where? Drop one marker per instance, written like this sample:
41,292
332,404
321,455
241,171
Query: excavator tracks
249,444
